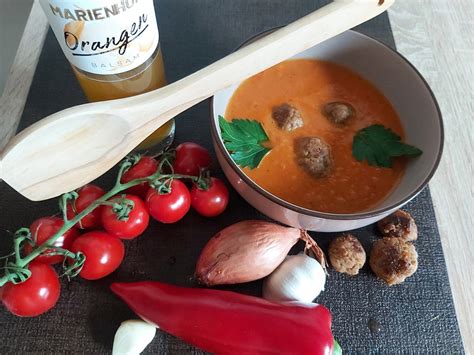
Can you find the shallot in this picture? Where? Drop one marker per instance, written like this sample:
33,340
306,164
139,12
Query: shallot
248,251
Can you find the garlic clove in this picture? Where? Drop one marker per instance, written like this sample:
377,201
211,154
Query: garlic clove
132,337
298,278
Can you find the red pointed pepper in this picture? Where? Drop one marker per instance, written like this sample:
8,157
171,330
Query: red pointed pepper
224,322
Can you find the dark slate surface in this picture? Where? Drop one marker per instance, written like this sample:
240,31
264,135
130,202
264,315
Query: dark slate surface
415,317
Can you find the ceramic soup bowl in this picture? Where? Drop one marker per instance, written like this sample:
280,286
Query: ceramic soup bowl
411,97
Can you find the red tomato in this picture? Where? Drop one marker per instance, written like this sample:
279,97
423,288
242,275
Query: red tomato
210,202
104,254
190,158
169,207
145,167
36,295
44,228
135,224
87,195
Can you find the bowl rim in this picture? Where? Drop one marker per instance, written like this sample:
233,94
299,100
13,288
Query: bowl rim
328,215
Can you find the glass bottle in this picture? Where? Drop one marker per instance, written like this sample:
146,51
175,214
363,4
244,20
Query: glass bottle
114,49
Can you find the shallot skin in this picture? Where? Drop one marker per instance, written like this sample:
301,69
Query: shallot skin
244,252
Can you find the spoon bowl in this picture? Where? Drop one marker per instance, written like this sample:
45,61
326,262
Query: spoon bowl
106,133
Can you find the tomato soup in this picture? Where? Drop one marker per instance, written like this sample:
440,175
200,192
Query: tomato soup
308,85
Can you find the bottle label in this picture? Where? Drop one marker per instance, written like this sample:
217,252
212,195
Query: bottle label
104,37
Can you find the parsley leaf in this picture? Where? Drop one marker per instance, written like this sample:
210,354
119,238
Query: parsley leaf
378,145
243,139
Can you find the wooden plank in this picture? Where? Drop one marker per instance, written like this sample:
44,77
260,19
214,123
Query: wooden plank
437,37
21,73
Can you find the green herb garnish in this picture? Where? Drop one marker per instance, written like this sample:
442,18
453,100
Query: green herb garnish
243,139
378,145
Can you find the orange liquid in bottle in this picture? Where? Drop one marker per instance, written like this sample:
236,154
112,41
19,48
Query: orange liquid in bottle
147,77
114,50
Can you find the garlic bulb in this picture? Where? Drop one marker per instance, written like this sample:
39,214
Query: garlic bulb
298,278
132,337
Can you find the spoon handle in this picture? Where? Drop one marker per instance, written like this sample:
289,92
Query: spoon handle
302,34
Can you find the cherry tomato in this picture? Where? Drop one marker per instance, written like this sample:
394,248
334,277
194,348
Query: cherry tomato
130,228
190,158
87,195
169,207
104,254
210,202
36,295
145,167
44,228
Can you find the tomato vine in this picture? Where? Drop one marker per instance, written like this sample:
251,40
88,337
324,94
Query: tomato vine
16,271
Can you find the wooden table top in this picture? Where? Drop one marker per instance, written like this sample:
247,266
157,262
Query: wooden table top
437,37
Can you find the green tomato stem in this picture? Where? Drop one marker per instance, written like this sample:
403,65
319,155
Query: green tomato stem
16,247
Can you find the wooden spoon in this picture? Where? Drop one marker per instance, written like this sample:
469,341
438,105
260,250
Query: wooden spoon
73,147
